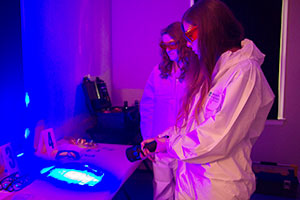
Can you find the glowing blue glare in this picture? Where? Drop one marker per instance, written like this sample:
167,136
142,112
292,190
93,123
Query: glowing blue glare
75,176
91,168
27,133
27,100
44,170
20,154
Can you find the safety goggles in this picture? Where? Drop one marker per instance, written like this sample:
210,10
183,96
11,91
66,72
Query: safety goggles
14,182
169,45
67,155
191,34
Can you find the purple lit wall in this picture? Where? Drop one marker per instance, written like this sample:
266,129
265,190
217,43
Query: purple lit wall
136,27
280,142
62,42
118,40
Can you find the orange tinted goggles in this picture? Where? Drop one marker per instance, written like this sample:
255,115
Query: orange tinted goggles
191,34
169,45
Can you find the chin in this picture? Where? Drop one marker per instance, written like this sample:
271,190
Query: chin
172,58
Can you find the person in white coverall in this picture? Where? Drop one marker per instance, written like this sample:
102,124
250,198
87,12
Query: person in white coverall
224,111
160,102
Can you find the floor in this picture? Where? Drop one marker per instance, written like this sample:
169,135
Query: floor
139,187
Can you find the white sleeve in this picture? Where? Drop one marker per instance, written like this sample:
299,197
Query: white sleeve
147,108
214,138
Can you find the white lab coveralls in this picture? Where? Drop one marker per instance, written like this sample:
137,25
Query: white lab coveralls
158,108
214,156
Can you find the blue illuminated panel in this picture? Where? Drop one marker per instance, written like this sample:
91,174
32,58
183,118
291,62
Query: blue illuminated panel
74,176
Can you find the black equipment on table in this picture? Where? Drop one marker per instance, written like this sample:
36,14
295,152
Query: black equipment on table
134,153
115,124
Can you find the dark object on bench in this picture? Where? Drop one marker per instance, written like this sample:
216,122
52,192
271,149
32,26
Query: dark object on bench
276,179
134,153
115,125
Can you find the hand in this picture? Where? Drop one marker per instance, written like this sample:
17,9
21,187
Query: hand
161,144
146,153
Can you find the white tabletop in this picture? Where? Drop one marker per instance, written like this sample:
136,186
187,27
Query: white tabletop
110,158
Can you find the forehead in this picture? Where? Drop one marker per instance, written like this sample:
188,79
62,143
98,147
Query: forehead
186,26
167,38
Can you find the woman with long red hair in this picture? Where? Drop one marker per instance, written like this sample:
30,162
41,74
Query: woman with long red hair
224,109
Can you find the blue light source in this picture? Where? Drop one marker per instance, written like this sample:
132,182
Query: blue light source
44,170
20,154
27,100
27,133
73,176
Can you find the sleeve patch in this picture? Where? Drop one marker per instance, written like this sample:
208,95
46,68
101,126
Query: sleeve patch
214,103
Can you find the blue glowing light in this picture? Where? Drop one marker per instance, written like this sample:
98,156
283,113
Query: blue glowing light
73,176
27,100
20,154
27,133
44,170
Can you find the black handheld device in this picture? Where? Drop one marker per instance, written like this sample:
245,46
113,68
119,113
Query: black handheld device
134,153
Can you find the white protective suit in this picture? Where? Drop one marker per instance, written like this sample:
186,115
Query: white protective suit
158,108
214,156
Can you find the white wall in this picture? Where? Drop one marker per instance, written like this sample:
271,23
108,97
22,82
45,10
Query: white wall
136,27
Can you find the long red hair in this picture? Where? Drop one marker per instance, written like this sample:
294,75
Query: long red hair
218,31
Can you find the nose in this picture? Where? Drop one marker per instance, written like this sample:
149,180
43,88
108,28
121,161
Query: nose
169,50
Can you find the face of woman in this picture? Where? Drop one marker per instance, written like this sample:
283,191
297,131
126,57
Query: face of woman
191,35
170,45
